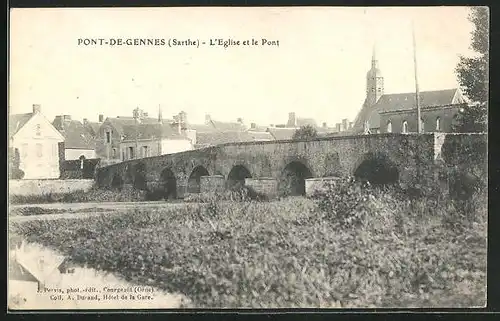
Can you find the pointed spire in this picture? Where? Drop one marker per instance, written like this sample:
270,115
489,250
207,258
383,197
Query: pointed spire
160,118
374,56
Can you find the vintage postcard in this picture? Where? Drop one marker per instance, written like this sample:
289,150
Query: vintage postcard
257,157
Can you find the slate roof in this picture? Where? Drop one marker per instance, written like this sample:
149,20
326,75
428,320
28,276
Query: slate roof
150,131
76,136
17,121
94,128
260,136
306,121
227,126
119,122
404,101
281,133
216,138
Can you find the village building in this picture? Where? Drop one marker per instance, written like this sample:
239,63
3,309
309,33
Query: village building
79,142
382,113
147,140
93,127
36,142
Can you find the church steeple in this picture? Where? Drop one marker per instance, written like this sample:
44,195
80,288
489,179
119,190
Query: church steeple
160,118
374,81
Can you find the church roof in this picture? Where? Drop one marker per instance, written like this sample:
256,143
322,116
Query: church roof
405,101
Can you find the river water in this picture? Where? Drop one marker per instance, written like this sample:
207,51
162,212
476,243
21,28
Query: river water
79,288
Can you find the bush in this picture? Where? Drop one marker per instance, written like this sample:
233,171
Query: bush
287,253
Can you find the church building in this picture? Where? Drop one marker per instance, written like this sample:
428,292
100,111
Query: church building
385,113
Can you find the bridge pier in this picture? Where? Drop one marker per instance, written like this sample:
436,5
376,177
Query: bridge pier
317,184
212,184
264,185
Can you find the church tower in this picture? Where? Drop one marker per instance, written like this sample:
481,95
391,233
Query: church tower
374,82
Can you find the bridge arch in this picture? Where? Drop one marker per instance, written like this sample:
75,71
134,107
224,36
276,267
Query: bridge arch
377,168
292,179
236,177
169,184
194,178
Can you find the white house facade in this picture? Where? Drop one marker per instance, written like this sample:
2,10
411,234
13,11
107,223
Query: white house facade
37,143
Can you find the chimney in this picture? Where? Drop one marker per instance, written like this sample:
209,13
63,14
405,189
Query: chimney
344,124
324,125
85,121
101,118
67,117
36,108
240,120
351,124
292,120
183,116
253,125
207,118
339,127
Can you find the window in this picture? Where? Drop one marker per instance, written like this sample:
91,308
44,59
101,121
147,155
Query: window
39,150
81,158
389,126
405,127
114,152
373,89
108,137
131,152
145,151
38,130
379,89
438,124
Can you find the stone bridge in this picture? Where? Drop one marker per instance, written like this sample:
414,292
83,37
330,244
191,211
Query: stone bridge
281,167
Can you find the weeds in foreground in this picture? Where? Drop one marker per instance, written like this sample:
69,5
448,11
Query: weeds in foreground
358,247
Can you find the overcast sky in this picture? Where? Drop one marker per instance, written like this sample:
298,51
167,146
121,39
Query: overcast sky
318,70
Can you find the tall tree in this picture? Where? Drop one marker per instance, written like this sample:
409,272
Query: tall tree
305,132
472,73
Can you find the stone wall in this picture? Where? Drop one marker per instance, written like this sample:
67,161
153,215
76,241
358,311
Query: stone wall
47,186
411,154
318,184
212,184
264,185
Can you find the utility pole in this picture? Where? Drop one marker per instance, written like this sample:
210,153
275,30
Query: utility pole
136,119
417,93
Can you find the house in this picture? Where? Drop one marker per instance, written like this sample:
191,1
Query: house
147,140
36,141
111,133
93,127
383,113
79,142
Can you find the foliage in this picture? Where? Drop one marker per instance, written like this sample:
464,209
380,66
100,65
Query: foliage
81,196
305,132
15,171
36,210
472,75
295,252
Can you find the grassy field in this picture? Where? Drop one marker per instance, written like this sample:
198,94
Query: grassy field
357,247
